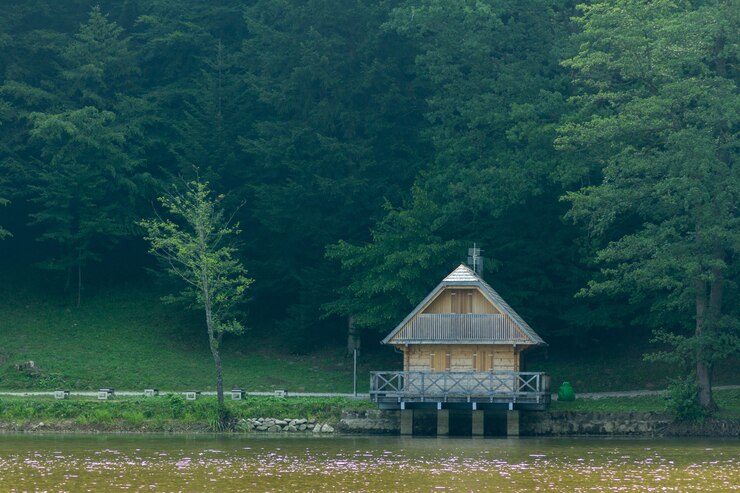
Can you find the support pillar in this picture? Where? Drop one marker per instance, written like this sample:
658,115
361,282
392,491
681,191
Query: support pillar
512,423
478,421
443,422
407,422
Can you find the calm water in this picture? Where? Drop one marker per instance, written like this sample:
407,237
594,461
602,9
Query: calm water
160,463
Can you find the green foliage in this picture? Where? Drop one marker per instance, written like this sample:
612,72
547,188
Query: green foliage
71,153
4,233
656,125
566,392
199,252
405,260
84,164
374,142
335,133
493,105
171,411
682,400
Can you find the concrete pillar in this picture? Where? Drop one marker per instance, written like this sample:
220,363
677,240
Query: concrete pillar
512,423
478,420
407,422
443,422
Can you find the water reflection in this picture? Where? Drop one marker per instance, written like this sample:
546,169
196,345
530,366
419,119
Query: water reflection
176,463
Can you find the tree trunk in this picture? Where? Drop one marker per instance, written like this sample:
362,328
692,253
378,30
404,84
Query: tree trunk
79,282
703,369
213,343
219,371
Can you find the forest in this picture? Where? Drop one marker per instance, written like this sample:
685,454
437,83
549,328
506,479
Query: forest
590,150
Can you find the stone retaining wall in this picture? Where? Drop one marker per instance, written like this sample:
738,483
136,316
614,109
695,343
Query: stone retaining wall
593,423
558,423
370,422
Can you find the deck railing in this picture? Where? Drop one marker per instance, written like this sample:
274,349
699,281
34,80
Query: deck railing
427,385
461,326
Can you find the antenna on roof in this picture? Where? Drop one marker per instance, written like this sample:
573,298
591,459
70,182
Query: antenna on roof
475,260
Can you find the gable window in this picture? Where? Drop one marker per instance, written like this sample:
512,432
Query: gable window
461,301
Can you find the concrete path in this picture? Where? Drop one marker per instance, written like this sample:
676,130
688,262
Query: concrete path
140,393
359,396
634,393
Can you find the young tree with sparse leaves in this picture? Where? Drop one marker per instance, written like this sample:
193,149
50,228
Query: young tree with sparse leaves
197,246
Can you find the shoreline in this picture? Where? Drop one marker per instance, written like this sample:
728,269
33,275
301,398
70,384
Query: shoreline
387,423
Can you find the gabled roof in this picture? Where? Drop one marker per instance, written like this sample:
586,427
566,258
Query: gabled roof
463,276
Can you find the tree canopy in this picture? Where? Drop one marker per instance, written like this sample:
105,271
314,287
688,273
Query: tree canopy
196,245
658,115
590,151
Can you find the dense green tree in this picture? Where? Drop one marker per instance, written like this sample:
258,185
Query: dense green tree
98,64
658,119
4,233
82,186
409,253
196,246
493,104
408,129
335,132
213,109
73,147
196,105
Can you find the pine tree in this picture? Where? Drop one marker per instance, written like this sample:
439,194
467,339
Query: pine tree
657,119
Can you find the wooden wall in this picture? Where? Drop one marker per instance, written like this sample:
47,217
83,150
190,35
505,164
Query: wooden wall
442,357
473,302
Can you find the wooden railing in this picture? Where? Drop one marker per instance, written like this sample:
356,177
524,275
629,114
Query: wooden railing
460,326
427,385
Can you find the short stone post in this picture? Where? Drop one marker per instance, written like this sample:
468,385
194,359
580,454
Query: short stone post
407,422
512,423
478,420
443,422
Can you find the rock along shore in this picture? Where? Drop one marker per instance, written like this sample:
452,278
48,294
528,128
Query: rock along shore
374,422
276,425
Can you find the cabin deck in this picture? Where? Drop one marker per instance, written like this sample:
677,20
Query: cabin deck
508,389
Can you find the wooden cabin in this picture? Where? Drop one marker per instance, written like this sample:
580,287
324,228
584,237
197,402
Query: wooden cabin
462,344
463,325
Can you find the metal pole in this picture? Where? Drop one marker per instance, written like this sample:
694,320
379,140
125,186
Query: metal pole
354,372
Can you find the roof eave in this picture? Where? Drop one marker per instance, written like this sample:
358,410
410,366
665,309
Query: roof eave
404,342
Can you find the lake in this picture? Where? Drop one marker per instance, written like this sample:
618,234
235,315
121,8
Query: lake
173,463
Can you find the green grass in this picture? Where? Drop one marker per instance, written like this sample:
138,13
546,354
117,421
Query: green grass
608,369
173,412
727,400
126,338
167,411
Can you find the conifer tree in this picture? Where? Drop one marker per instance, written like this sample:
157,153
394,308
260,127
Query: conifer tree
657,120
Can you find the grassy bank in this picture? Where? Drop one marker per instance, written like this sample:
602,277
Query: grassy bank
727,400
172,413
164,413
124,337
